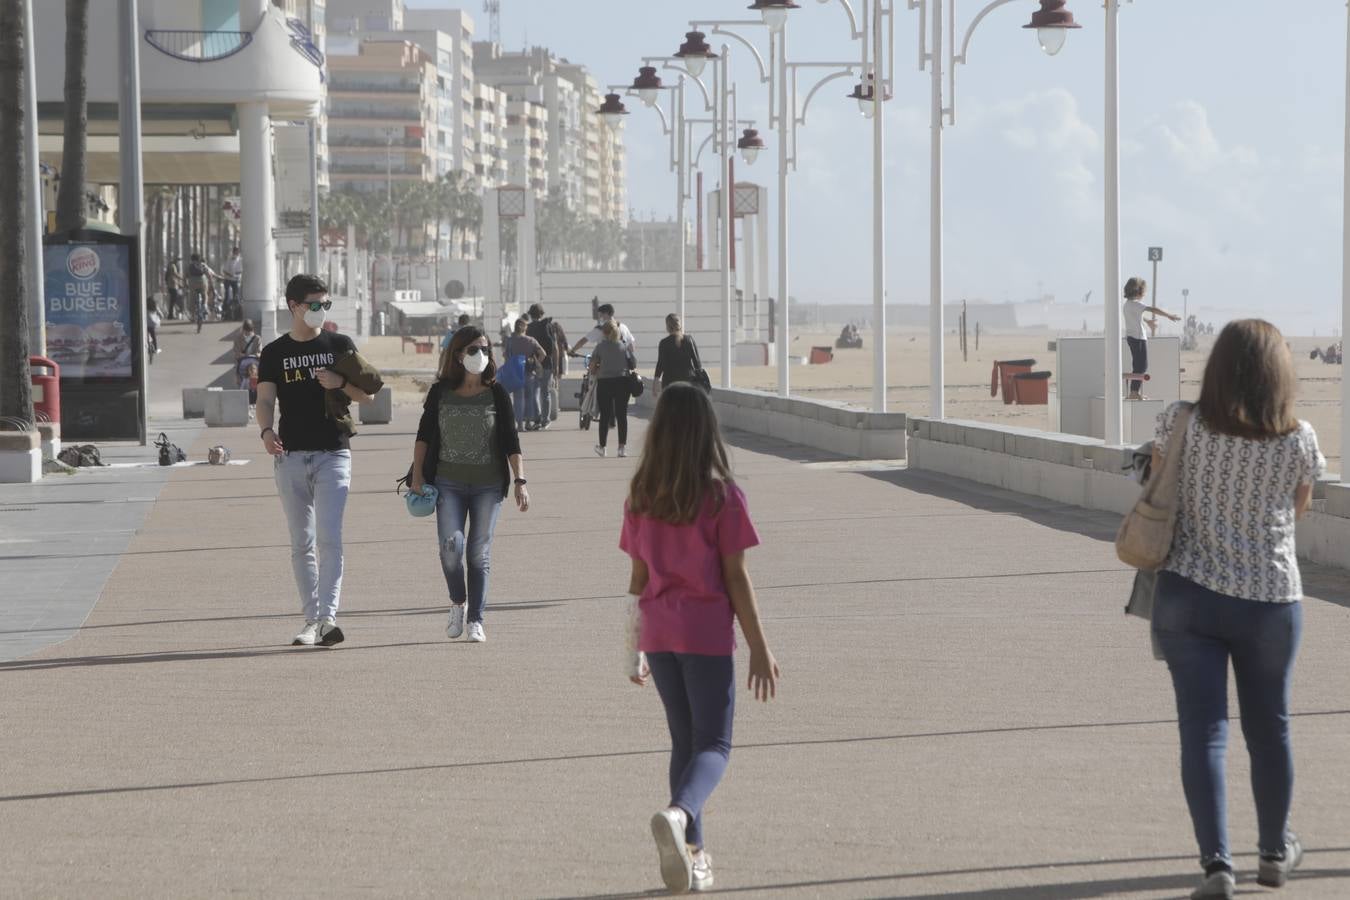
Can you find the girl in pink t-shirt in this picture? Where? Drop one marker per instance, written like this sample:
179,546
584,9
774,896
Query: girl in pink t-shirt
687,529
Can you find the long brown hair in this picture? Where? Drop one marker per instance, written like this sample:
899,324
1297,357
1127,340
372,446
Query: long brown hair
452,367
684,461
1250,382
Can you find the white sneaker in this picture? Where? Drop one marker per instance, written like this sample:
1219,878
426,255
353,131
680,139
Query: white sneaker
623,451
702,876
308,636
601,451
476,634
455,627
677,866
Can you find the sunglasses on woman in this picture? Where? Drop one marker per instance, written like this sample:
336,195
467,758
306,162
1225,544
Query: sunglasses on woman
476,349
317,305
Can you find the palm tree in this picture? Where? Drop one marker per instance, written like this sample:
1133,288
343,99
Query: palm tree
16,398
74,164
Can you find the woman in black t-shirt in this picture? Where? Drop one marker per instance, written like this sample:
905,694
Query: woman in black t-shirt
676,355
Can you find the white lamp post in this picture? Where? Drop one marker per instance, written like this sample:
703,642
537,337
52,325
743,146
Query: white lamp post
938,51
1345,285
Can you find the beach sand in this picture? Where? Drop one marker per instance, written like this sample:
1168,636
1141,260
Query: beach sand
848,377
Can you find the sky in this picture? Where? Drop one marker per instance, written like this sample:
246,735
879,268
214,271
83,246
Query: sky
1232,134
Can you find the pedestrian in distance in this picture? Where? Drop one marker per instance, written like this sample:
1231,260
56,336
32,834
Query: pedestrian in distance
311,450
610,365
467,447
523,357
553,339
676,356
596,334
152,323
201,291
450,332
686,528
1230,588
1135,336
232,274
173,286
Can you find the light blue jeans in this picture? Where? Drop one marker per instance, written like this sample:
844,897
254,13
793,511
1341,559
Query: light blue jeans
466,517
313,488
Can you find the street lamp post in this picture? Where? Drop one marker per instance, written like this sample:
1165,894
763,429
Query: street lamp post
938,50
1345,282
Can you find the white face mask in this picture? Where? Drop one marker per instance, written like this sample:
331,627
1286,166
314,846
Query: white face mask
314,318
476,362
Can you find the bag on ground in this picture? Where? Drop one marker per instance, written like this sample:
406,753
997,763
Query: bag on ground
81,456
218,456
169,452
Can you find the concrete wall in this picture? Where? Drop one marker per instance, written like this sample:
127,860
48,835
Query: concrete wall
1084,472
832,427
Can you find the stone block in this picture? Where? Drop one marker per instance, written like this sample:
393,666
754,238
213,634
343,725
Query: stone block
49,435
20,457
226,409
381,410
194,402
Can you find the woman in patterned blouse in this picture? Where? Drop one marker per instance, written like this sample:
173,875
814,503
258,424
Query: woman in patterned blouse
1230,588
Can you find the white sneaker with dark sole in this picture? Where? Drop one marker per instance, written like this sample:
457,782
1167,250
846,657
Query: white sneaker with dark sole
455,627
330,635
677,866
308,636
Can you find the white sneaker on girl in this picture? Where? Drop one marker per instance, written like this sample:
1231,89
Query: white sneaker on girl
677,866
702,876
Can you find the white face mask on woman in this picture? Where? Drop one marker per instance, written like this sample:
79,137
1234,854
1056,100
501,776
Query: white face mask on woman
476,363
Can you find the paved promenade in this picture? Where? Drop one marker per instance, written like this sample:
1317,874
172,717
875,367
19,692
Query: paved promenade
964,710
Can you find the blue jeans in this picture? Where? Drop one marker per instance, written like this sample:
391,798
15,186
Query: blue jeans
1199,630
467,548
699,694
313,488
536,395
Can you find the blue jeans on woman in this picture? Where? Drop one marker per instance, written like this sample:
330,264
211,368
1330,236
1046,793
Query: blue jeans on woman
699,694
466,547
1199,631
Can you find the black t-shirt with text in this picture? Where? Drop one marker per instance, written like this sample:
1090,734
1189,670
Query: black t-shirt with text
293,367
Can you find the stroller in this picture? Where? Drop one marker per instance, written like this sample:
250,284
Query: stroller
588,405
246,371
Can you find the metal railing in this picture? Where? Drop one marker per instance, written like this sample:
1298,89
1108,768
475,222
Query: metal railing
198,46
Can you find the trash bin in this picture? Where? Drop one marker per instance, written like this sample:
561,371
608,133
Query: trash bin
1031,388
821,355
46,375
1003,373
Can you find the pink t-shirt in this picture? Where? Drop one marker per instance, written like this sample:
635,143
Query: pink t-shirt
686,608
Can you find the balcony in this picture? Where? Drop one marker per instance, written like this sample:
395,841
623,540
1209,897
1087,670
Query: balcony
198,46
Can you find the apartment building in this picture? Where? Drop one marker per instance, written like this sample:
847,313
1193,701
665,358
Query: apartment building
355,16
382,114
489,156
458,98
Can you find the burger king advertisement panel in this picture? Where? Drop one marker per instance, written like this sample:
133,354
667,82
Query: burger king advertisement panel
88,294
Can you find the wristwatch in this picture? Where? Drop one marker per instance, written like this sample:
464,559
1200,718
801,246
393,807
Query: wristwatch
521,481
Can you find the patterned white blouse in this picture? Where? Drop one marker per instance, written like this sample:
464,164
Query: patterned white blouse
1235,521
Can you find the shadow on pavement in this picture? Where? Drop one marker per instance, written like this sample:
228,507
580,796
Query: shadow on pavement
126,659
585,757
1057,891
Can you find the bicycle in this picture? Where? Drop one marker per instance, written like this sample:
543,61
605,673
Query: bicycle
198,307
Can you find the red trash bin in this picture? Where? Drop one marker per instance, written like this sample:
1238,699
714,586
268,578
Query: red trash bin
821,355
1031,388
46,375
1003,373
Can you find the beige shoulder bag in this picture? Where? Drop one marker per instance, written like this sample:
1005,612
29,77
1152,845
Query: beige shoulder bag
1145,537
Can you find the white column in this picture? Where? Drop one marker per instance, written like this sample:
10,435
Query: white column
1115,403
258,197
1345,281
762,258
724,205
935,348
528,263
678,124
878,218
750,266
37,312
131,190
782,331
492,264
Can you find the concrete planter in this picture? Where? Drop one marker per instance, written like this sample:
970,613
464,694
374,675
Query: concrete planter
20,457
226,409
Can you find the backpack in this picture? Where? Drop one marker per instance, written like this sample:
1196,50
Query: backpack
511,375
196,270
542,331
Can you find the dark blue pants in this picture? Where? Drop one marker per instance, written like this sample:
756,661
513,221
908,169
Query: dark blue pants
699,693
1199,631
